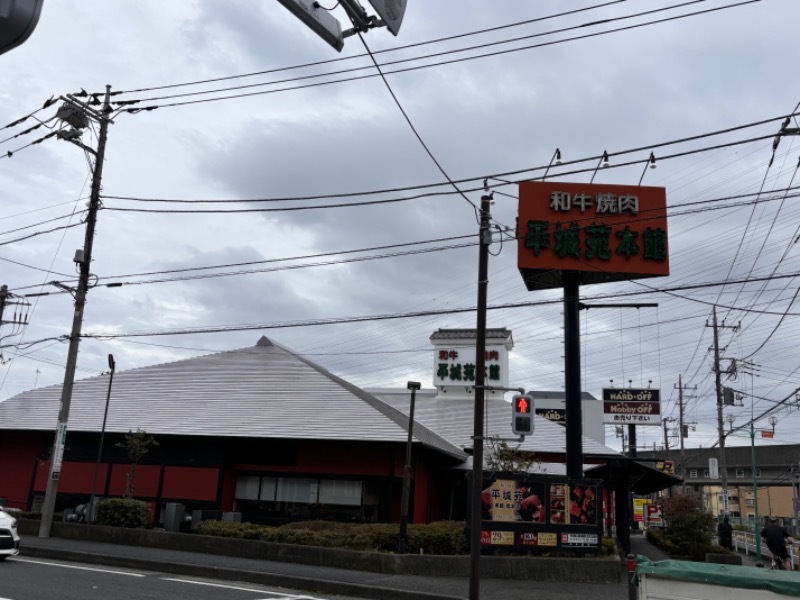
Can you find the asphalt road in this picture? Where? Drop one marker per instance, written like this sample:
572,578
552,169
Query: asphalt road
24,578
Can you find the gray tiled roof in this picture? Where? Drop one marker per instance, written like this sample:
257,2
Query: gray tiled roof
261,391
469,334
453,418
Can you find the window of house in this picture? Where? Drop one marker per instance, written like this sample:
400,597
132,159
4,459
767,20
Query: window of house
748,502
758,472
705,473
247,487
347,493
693,473
740,473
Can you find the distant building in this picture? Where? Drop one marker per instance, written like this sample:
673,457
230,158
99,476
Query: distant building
777,471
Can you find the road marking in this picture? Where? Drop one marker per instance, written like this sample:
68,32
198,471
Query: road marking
273,595
40,562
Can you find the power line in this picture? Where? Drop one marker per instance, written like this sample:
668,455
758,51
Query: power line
436,64
399,61
349,58
415,314
496,176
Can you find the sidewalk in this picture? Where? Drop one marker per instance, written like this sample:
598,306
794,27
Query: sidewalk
640,545
355,584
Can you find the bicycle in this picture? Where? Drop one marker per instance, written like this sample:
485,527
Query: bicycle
777,564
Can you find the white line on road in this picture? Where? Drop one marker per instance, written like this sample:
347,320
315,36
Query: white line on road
39,562
273,595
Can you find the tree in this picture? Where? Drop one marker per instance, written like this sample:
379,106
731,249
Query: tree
689,527
500,457
136,444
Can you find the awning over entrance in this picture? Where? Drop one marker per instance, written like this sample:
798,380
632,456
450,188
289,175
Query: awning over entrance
625,473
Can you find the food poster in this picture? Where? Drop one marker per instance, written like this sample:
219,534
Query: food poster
582,505
512,500
558,503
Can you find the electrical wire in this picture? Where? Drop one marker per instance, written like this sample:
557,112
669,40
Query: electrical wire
404,60
497,176
349,58
407,315
436,64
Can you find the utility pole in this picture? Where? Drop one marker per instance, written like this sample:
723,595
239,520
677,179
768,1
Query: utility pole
723,467
19,318
666,423
480,392
83,258
683,426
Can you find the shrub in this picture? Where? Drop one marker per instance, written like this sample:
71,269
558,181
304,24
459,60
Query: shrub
689,527
444,537
608,546
123,512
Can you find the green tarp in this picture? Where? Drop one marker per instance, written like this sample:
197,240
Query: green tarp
733,576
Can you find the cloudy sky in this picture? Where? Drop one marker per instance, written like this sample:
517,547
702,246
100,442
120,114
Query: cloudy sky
253,110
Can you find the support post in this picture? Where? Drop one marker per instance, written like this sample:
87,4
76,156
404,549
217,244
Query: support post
111,365
755,489
480,392
572,374
402,540
77,321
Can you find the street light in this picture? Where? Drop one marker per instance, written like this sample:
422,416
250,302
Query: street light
401,543
111,365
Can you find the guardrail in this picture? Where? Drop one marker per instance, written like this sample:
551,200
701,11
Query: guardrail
745,541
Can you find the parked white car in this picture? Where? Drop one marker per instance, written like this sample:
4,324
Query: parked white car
9,538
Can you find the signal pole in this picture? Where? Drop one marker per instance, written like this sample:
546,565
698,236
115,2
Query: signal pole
83,258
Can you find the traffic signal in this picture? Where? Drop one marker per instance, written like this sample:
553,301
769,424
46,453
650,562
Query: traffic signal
522,414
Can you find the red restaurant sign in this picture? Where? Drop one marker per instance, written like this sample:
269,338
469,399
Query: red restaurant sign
607,232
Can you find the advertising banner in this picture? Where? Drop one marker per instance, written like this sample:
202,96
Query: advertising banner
608,232
540,511
632,406
638,509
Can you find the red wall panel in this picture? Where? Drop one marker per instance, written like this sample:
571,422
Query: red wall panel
145,482
17,458
190,483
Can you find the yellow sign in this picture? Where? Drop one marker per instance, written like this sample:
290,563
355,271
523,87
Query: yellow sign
502,538
666,466
548,539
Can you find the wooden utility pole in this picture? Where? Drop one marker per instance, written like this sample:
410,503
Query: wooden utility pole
480,393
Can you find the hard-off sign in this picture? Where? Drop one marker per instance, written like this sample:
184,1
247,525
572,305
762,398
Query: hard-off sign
632,406
607,232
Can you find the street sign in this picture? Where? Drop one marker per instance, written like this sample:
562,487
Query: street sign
634,406
391,11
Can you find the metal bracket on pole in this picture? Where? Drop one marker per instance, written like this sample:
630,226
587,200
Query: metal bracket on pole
493,388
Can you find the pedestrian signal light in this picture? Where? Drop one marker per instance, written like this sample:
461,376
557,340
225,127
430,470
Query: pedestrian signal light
522,414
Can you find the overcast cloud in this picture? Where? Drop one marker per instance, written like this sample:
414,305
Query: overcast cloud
480,118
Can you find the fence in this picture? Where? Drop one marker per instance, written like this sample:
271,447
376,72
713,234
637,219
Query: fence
745,542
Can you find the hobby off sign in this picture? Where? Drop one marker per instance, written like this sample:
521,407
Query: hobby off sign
633,406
